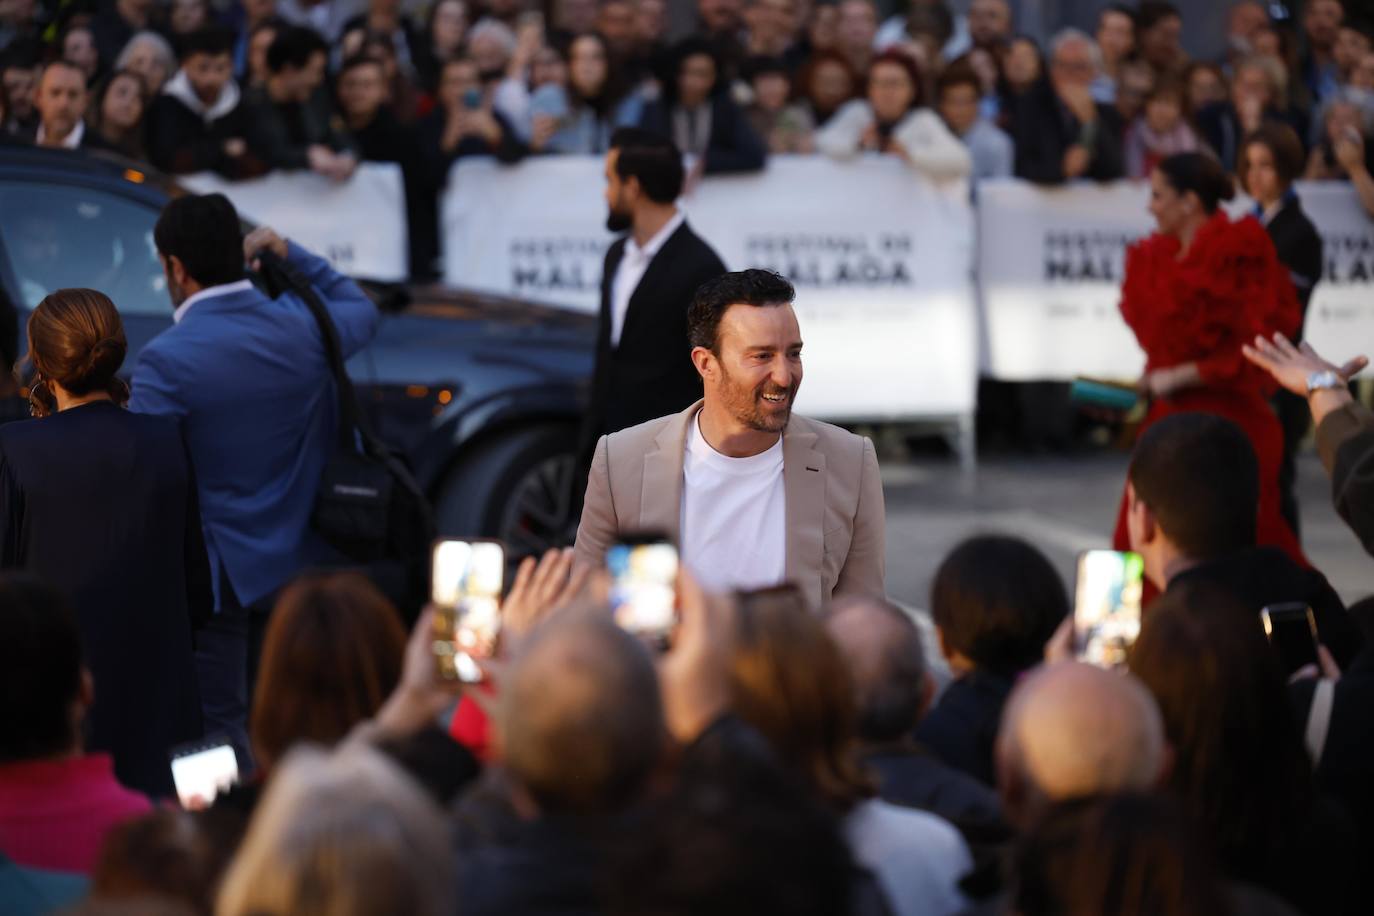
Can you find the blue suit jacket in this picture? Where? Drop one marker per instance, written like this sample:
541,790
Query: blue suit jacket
247,378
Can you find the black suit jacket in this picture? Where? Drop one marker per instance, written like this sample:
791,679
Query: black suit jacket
650,373
102,503
734,145
1299,248
1044,130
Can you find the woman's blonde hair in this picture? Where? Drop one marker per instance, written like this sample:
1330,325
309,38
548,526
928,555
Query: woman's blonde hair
340,834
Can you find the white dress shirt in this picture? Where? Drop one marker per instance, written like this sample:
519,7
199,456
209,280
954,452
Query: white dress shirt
224,289
71,141
734,516
633,263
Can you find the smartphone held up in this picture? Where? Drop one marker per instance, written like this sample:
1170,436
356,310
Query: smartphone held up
1106,612
466,578
202,770
644,586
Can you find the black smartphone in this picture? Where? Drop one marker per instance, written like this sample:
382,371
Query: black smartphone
465,588
643,595
201,770
1292,631
1106,610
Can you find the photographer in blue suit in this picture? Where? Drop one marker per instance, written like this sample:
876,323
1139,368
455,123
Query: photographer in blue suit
248,379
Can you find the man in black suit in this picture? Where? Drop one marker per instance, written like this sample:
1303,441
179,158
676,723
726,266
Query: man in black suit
1060,132
643,365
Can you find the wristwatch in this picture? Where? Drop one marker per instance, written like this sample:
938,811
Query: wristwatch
1318,381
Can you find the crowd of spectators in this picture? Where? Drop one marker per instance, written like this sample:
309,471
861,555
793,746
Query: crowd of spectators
249,86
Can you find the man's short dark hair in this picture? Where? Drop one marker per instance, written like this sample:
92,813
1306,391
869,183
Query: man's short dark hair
204,232
1198,473
1152,12
652,159
40,669
293,47
210,40
997,601
957,74
356,61
739,287
21,54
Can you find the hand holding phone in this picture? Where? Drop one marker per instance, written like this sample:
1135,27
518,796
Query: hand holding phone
643,572
465,588
1106,613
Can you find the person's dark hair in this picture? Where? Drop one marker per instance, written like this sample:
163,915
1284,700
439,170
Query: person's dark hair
24,53
1121,9
169,853
957,74
693,46
891,694
204,233
293,47
331,656
613,87
40,669
718,842
356,61
1283,145
1151,13
581,718
1198,474
76,340
211,40
740,287
807,75
997,600
1241,771
650,158
1200,174
1131,855
763,65
912,69
790,682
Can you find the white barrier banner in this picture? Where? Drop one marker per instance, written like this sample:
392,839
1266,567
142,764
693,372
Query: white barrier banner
1050,266
359,225
882,261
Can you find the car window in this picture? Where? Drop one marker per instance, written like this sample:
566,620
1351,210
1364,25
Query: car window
61,236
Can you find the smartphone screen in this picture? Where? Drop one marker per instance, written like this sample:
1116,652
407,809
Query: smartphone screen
644,586
465,587
203,770
1106,612
1292,631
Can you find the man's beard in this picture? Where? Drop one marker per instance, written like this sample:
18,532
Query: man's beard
749,407
618,221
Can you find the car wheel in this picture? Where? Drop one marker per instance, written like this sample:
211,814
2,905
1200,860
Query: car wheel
516,488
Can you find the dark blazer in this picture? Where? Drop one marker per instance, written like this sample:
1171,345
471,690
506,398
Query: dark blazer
1219,125
1299,247
102,503
734,145
1345,441
650,373
280,135
180,141
962,727
1044,130
1261,576
247,379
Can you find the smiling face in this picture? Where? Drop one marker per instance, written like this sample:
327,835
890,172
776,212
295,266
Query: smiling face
1171,210
755,369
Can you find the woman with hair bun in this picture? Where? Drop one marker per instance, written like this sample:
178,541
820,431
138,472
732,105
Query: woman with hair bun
1194,292
101,503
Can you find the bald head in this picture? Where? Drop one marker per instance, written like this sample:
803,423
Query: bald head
1072,730
581,724
882,648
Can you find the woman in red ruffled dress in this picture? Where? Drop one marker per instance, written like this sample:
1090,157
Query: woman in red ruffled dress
1194,292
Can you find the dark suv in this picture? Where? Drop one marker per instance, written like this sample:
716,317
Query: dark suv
483,393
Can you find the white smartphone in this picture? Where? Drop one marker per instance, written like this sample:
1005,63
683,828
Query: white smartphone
1106,611
465,586
202,770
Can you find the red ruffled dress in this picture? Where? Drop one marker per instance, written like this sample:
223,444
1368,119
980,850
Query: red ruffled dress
1228,288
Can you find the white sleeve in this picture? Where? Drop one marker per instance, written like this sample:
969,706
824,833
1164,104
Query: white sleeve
932,148
840,137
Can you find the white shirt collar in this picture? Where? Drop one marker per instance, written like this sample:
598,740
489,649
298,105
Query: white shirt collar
660,238
224,289
71,141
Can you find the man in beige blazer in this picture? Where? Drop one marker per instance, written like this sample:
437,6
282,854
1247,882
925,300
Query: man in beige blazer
752,495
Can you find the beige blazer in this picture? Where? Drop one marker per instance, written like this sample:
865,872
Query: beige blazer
835,519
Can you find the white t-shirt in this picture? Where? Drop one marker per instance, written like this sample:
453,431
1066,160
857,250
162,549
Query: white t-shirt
917,858
734,516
